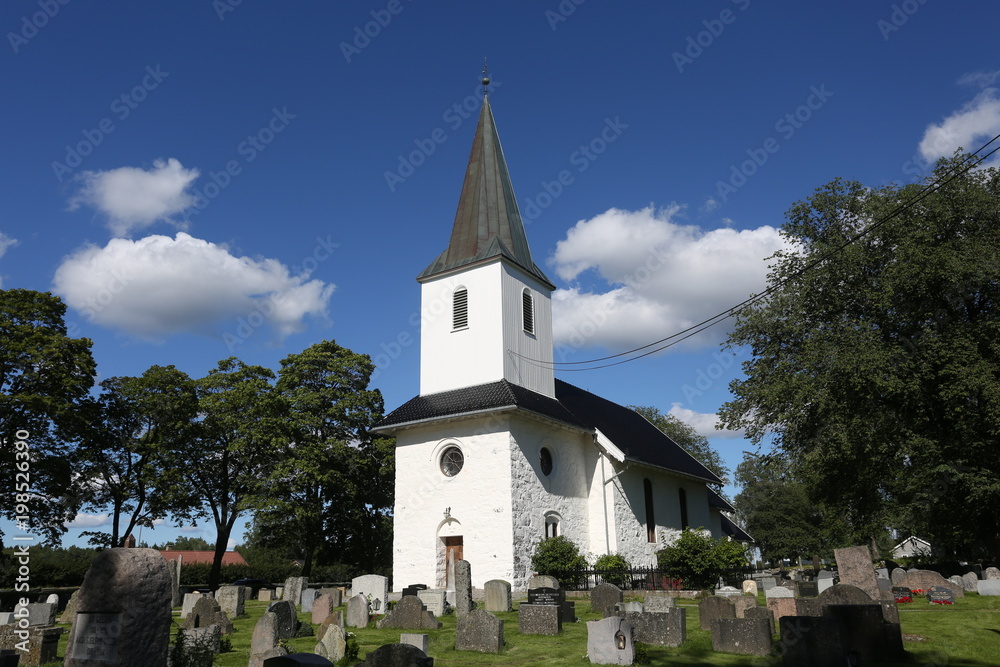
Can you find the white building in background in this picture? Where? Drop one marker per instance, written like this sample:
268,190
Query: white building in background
495,454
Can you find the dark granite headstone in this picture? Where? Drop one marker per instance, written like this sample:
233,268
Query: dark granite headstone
393,655
297,659
808,589
941,595
862,630
413,588
546,596
811,641
568,608
901,592
604,597
288,622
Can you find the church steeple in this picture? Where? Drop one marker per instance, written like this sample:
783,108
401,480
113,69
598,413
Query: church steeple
488,223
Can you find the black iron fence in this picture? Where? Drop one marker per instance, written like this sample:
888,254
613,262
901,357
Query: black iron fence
642,579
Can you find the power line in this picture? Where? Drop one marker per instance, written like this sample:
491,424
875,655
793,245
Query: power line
684,334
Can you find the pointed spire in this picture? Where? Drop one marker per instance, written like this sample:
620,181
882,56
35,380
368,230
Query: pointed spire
488,223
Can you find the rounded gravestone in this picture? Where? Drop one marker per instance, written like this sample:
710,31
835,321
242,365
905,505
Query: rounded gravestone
604,597
843,594
333,645
125,596
265,633
543,581
287,618
970,582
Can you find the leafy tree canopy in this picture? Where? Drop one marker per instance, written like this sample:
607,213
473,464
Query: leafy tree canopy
876,364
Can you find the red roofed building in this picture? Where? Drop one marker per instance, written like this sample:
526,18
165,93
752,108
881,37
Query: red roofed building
188,557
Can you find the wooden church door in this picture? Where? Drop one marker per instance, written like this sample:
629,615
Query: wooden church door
453,553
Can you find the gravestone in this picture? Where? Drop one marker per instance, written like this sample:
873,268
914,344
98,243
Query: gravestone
258,660
288,622
777,592
208,612
321,608
970,582
897,575
824,574
409,614
175,583
123,611
496,594
902,594
768,583
750,587
265,633
854,564
293,589
37,613
412,589
991,573
604,597
279,592
628,607
422,642
713,607
781,607
394,655
70,611
375,588
811,641
335,618
823,584
863,631
568,611
188,604
881,573
809,589
923,579
941,595
844,594
957,580
208,638
479,630
609,642
307,598
435,599
52,599
333,645
539,619
6,617
551,596
34,645
543,581
463,588
661,628
232,599
357,612
745,636
658,603
336,596
761,613
265,595
989,587
728,591
742,603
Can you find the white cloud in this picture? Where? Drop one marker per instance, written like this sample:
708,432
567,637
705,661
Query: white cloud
968,127
979,79
231,544
5,243
157,286
82,520
661,277
134,198
703,423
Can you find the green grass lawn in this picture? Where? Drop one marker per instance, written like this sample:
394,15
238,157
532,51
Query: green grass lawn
964,635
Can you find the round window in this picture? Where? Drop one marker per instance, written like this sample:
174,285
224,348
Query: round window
545,461
452,461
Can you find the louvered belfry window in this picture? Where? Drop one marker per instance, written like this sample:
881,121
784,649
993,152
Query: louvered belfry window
460,309
528,311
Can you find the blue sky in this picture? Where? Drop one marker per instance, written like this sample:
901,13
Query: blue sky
201,179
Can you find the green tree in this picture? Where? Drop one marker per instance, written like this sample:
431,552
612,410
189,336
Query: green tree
44,377
332,490
128,436
195,543
700,559
684,435
876,363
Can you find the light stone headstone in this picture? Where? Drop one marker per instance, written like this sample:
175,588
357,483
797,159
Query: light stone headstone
6,617
293,589
991,573
854,564
336,596
335,618
970,582
543,581
924,579
768,583
630,607
307,598
778,592
479,630
897,575
321,608
125,596
232,600
988,587
279,592
208,612
422,642
37,613
333,644
52,599
728,591
265,595
435,599
750,587
957,580
660,628
742,603
496,594
823,584
175,583
463,588
189,600
604,638
409,614
358,612
208,637
782,606
375,588
658,603
70,611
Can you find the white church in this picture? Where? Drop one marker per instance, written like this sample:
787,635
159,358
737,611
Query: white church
496,454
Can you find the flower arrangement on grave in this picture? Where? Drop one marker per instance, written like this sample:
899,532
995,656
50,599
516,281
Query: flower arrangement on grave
904,598
942,602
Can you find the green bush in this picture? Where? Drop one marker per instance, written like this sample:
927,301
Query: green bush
558,557
614,570
699,559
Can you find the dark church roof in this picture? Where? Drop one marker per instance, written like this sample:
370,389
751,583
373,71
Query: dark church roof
730,529
640,441
488,223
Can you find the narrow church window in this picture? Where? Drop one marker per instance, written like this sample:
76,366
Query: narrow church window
551,525
684,508
528,311
545,461
460,309
452,461
647,488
